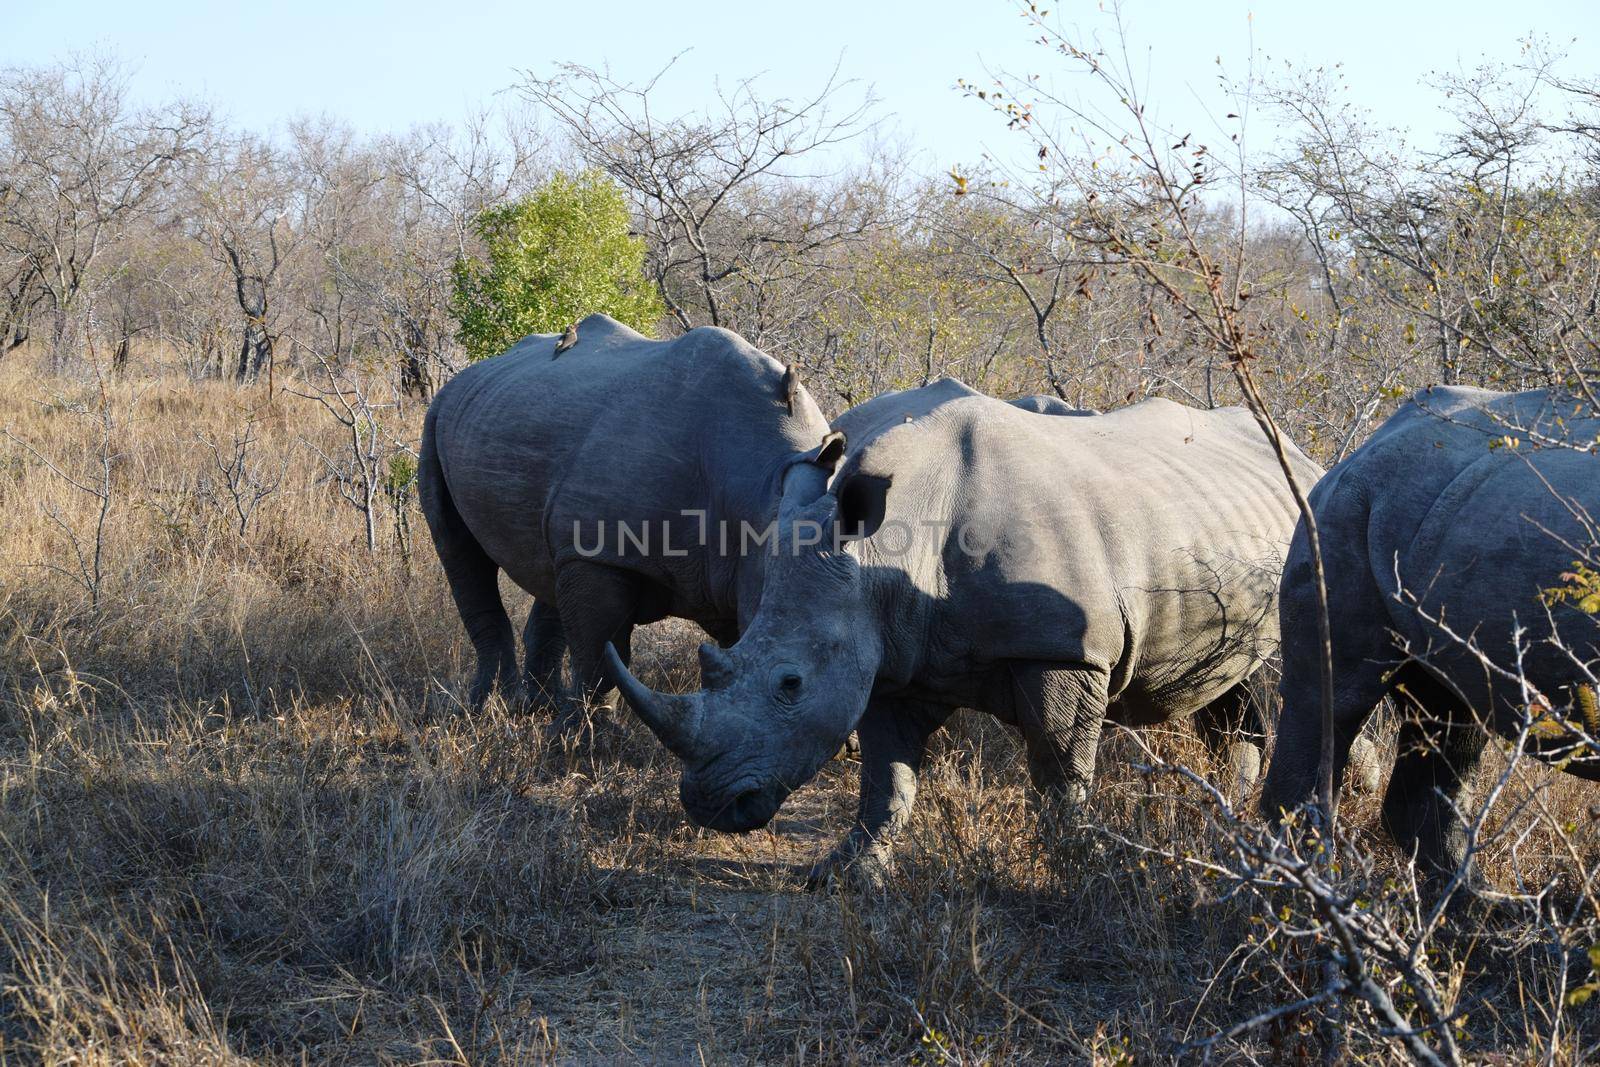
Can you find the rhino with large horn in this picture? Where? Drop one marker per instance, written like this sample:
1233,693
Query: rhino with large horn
1050,571
605,483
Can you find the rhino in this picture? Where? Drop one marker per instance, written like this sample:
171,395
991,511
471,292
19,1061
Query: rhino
1450,523
1053,572
603,483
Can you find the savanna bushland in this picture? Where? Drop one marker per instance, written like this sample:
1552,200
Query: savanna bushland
244,812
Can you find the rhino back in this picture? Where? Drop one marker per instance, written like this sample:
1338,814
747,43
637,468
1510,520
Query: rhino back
619,428
1146,542
864,422
1045,404
1475,526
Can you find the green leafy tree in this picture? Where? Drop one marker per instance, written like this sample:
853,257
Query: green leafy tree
549,259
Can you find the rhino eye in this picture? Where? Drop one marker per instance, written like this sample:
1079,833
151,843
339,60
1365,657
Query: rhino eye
787,683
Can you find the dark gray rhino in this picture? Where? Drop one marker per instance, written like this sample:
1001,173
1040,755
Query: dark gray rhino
1438,517
1050,571
602,480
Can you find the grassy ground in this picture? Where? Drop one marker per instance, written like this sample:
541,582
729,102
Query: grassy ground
244,817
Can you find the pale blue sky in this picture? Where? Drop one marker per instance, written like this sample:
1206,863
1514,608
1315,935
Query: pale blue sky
386,66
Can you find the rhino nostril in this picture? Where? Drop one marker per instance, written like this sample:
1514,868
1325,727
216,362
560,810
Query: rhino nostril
750,809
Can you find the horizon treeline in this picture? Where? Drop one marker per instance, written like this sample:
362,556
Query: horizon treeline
164,239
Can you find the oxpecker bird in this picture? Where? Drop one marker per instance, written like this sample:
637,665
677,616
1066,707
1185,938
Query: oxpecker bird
791,386
568,339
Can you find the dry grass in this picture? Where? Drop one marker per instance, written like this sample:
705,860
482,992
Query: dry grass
244,818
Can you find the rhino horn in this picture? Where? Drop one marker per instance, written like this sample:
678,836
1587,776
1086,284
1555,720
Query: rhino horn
716,667
672,718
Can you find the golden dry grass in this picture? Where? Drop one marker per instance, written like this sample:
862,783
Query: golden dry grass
244,818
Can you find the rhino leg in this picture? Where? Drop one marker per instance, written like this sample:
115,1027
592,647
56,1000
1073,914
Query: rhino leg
1235,732
894,737
1060,712
1362,653
597,604
544,643
474,584
1439,748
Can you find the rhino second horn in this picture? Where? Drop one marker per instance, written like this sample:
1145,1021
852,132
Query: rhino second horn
716,667
672,718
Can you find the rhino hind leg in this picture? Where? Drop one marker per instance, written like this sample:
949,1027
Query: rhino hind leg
1234,730
1438,750
894,738
544,643
1359,687
474,584
1363,652
598,604
1060,711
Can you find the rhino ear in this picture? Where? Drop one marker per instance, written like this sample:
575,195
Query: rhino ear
830,451
825,456
863,502
805,475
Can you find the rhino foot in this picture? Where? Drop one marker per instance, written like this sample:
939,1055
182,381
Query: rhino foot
864,868
1363,771
1244,766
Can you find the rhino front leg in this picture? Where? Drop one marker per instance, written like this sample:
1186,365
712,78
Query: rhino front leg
893,737
1060,711
597,604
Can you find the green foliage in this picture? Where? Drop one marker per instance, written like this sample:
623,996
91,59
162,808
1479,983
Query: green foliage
402,473
1582,590
549,259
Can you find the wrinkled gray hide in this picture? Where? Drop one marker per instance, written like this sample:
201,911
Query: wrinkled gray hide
1045,404
522,450
1122,565
1432,504
867,420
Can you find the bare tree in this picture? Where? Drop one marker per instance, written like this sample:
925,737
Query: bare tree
94,477
709,189
358,468
246,205
77,165
436,180
241,474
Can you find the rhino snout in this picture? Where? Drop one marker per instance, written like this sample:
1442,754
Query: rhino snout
744,807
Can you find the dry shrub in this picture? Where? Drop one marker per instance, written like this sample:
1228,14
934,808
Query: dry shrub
245,817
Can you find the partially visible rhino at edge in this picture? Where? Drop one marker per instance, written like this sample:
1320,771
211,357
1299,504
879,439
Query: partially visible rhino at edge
1441,536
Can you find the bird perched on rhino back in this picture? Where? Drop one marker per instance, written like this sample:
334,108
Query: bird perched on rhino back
568,339
601,486
1053,571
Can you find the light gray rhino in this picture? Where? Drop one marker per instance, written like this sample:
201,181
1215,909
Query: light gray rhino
571,473
1439,517
1050,571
